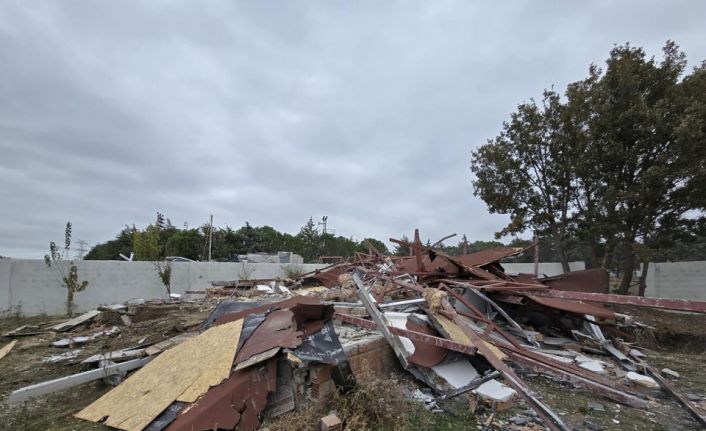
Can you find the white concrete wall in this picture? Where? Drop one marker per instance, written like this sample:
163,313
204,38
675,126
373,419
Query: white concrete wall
549,269
681,280
36,289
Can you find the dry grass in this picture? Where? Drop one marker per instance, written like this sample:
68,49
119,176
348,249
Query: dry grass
374,404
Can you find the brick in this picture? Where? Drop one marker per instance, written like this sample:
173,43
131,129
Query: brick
330,423
320,373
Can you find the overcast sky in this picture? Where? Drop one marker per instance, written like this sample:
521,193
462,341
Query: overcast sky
272,112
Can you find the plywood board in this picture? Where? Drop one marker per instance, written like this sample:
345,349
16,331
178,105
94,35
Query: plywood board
65,326
453,331
6,349
183,372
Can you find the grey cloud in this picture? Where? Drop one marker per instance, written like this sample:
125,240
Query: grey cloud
274,112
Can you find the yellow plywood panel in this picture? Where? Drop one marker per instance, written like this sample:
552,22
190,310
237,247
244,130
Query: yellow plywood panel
456,334
453,330
186,370
6,349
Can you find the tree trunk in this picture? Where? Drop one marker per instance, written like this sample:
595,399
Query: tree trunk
628,268
69,302
608,256
643,278
561,252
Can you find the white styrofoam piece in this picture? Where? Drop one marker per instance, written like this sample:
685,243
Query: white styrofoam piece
457,373
493,390
399,320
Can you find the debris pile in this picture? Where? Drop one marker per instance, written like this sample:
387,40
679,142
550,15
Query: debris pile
460,325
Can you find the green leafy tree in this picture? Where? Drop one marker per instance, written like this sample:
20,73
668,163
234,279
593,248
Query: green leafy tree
402,250
185,243
146,244
616,166
65,269
164,271
525,172
310,241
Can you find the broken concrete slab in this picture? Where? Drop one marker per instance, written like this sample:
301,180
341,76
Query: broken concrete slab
670,373
641,379
595,366
71,354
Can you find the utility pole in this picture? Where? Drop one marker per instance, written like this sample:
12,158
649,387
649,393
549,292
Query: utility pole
536,255
323,223
81,248
210,237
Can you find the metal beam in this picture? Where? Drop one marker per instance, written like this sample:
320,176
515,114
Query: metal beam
379,319
412,335
607,298
66,382
681,399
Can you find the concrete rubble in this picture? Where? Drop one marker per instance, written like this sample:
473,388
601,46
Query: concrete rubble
460,326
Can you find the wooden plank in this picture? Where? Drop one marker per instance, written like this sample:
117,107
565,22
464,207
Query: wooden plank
65,326
169,342
66,382
6,349
183,372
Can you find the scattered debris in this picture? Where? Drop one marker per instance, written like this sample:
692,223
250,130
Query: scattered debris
641,379
70,324
457,325
71,354
670,373
6,348
330,423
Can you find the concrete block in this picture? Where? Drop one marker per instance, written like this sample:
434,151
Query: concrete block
642,380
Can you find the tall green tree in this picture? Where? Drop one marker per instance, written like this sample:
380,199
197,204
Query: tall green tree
526,172
617,164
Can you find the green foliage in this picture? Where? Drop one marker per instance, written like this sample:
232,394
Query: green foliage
159,240
185,243
146,244
401,250
164,270
109,250
65,270
379,246
616,165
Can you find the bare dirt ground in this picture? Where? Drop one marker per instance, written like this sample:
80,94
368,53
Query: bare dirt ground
676,342
23,366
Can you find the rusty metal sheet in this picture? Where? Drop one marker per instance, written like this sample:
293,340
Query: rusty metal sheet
267,306
234,404
593,280
425,355
485,257
278,330
328,276
577,307
664,303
